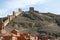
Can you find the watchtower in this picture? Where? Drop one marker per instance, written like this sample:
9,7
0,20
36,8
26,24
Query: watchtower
13,13
19,9
31,9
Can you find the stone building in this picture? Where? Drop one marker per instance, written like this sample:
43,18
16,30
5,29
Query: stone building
31,9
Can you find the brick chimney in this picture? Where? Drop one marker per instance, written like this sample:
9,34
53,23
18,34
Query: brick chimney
31,9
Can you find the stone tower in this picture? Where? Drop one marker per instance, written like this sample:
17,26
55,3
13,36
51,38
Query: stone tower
19,9
13,13
31,9
9,18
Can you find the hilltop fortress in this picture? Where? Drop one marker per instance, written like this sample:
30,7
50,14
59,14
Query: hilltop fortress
11,17
14,34
30,25
42,19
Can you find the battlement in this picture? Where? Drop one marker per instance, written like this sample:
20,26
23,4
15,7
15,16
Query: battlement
15,14
10,18
31,9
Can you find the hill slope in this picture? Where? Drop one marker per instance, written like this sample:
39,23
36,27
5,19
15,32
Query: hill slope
35,23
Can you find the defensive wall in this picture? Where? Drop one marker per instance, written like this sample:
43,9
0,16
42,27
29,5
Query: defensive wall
10,18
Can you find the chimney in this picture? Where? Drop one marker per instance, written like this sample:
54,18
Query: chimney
31,9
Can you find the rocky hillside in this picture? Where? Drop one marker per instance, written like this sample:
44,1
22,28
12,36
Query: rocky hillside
35,23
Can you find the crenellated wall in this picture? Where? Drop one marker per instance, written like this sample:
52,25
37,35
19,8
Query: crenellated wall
6,22
15,14
10,18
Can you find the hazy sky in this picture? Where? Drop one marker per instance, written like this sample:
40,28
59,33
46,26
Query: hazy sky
7,6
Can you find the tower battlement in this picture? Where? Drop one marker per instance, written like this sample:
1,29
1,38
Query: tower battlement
9,18
31,9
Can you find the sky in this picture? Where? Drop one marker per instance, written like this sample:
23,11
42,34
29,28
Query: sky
8,6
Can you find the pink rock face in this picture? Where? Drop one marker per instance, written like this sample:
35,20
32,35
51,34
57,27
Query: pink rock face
14,32
23,37
7,38
14,38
